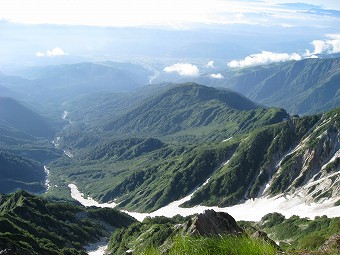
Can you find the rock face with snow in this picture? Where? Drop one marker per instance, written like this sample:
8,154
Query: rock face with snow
299,157
211,223
312,169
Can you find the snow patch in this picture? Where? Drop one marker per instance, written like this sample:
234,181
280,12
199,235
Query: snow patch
64,116
68,153
96,248
56,142
79,196
336,155
227,139
65,113
47,181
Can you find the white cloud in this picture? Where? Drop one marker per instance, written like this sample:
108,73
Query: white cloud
184,69
51,53
211,64
216,76
40,54
55,52
265,57
327,46
308,54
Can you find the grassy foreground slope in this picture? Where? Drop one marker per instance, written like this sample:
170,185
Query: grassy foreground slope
297,233
172,236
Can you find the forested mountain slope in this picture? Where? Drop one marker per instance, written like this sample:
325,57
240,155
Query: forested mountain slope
297,157
172,138
25,146
33,225
182,107
20,173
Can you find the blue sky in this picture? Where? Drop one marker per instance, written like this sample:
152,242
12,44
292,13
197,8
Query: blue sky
180,14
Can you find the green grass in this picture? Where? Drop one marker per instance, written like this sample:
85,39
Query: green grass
301,233
215,245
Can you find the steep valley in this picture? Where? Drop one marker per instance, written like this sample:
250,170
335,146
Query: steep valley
312,191
294,160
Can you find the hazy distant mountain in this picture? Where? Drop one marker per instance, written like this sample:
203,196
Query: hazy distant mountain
300,87
222,42
49,86
5,91
15,115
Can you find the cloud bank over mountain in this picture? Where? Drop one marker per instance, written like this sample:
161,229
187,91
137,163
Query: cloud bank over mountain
51,53
331,45
184,69
216,76
265,57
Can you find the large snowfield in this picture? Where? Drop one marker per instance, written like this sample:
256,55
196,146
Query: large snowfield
250,210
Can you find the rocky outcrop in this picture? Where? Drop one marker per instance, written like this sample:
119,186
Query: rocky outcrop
263,236
211,223
332,244
311,170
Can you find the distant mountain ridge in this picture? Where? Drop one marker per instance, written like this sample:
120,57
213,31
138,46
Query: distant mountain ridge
180,108
14,114
301,87
55,84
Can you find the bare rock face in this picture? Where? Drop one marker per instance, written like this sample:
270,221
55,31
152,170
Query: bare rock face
333,243
263,236
211,223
